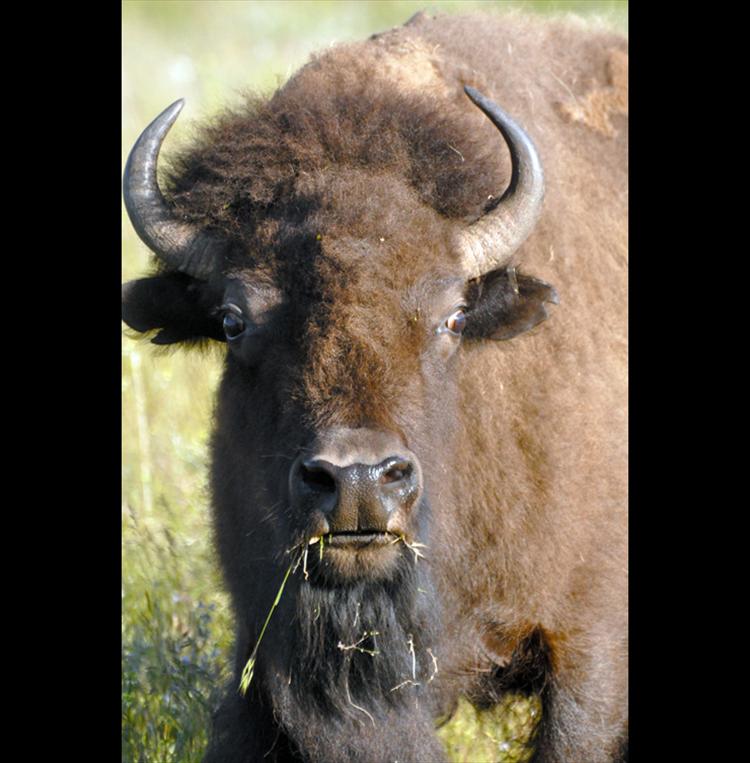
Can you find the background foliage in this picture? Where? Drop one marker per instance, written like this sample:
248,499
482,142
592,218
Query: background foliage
176,626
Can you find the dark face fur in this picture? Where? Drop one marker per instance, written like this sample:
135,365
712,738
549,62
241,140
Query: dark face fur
351,361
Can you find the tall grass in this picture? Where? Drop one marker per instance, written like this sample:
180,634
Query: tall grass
176,624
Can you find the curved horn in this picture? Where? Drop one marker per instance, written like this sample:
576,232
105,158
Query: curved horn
178,244
490,242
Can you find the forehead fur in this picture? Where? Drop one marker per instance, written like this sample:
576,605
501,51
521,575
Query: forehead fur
338,116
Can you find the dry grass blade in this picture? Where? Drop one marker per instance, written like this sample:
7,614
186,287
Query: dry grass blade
407,682
434,664
413,658
413,546
357,647
249,669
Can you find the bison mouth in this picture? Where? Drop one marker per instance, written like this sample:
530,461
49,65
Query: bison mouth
346,556
356,539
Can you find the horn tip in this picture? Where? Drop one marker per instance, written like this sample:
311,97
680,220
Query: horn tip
475,96
174,109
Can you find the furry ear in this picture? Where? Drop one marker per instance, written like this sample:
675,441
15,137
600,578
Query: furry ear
181,306
504,304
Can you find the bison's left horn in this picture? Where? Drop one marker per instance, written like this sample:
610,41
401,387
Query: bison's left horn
178,244
489,243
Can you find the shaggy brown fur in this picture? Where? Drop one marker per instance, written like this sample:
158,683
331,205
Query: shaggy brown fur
341,195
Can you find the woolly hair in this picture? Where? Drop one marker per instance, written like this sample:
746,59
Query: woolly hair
257,161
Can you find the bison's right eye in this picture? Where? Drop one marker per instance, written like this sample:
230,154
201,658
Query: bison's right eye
456,322
233,325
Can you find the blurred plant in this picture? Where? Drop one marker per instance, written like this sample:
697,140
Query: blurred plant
174,656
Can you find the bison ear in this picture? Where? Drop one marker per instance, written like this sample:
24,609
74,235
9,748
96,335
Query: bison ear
179,306
504,304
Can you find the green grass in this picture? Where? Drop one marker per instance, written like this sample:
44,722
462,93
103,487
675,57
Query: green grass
176,623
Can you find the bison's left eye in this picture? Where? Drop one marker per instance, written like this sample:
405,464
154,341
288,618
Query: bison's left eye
455,322
233,324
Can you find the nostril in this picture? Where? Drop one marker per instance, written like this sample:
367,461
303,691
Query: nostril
397,472
316,478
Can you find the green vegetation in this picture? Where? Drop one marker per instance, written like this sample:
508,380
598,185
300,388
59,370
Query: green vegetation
176,624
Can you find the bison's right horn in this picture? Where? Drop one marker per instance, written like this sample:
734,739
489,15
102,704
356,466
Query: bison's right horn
490,242
178,244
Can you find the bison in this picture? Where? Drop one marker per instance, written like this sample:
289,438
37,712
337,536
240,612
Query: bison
415,254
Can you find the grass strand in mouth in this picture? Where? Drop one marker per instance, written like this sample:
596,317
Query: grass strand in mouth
249,669
413,546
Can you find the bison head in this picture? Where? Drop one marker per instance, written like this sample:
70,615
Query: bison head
343,307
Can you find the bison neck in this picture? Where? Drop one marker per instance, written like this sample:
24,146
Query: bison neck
354,680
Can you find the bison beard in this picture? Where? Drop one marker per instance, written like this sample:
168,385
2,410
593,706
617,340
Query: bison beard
360,657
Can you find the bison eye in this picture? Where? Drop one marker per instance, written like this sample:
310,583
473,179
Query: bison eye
455,322
233,325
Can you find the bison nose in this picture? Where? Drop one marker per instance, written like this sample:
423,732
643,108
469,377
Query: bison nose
356,497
